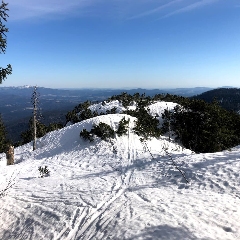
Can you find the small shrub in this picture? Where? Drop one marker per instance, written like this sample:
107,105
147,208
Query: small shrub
44,172
103,130
113,110
123,127
86,135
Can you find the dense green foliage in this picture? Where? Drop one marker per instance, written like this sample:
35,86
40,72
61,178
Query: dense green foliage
80,113
122,127
128,100
204,127
102,130
3,40
86,135
146,125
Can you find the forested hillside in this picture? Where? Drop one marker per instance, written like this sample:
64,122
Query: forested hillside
228,98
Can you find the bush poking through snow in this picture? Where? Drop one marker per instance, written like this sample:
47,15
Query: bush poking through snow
113,110
123,127
86,135
44,172
146,126
102,130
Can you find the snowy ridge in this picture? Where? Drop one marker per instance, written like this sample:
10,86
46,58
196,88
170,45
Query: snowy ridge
108,106
116,190
155,108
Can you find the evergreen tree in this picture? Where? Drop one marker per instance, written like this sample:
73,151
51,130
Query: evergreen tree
3,40
205,127
123,127
146,125
3,71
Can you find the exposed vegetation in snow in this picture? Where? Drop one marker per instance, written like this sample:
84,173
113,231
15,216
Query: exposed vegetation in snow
122,187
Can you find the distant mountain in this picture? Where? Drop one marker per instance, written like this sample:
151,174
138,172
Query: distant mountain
26,91
228,98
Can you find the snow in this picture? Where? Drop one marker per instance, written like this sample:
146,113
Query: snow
159,107
108,106
94,192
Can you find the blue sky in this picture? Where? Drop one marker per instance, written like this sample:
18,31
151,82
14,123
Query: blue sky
123,43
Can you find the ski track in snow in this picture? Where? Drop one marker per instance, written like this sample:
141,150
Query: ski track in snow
103,210
95,193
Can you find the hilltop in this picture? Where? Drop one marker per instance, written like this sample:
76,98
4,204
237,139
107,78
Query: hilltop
122,188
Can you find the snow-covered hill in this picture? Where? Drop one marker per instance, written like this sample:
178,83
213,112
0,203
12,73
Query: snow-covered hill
123,189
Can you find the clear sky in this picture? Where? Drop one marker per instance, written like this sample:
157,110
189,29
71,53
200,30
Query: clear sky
123,43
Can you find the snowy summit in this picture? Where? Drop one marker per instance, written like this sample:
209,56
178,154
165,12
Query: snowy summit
119,189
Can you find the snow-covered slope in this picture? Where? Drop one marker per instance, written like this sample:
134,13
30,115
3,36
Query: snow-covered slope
123,189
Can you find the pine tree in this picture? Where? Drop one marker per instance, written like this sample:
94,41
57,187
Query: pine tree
146,125
3,40
123,127
3,71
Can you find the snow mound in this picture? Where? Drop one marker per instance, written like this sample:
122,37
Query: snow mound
158,108
99,108
119,189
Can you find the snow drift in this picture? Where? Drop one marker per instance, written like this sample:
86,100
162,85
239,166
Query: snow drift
123,189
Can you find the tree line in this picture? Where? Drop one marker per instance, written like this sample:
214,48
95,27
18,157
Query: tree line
198,125
228,98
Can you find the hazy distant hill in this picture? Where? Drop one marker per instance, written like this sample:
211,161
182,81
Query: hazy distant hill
228,98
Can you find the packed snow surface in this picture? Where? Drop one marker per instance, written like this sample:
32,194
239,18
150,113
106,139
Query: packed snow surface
119,189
